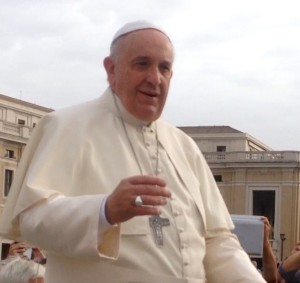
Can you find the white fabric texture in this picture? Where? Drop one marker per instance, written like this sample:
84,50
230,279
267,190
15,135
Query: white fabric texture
135,26
85,149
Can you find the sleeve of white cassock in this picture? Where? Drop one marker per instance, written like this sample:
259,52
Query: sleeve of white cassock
226,261
70,226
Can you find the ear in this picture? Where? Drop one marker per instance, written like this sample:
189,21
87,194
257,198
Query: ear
109,66
110,70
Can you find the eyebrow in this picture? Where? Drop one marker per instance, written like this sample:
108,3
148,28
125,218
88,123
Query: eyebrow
137,58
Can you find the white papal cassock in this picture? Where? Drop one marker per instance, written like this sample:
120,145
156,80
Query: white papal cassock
79,154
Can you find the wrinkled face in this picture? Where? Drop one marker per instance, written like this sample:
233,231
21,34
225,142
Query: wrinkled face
139,72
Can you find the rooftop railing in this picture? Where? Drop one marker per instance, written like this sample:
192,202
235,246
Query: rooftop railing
253,156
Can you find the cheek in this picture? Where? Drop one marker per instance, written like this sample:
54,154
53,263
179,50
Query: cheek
121,80
112,82
165,87
115,77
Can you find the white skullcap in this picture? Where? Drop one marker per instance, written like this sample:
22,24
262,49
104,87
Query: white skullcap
134,26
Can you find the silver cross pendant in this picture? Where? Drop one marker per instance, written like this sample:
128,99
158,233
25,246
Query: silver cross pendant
157,223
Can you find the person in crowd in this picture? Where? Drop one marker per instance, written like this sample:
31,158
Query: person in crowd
112,191
289,269
269,264
19,270
38,256
15,249
20,249
23,250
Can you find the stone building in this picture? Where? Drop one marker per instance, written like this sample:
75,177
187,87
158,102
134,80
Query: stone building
17,120
254,179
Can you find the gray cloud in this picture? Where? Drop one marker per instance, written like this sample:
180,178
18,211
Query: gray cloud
237,63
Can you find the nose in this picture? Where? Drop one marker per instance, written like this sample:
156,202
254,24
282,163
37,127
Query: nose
154,76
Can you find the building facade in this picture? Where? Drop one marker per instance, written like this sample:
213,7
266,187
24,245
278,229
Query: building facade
17,120
254,179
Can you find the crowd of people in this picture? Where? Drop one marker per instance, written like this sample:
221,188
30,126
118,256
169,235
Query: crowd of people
22,263
273,271
289,268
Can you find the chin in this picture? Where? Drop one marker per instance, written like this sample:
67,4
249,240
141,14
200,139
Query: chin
147,117
146,113
150,118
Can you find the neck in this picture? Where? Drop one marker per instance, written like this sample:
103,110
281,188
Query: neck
125,116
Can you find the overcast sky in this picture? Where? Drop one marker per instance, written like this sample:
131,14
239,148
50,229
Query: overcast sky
237,62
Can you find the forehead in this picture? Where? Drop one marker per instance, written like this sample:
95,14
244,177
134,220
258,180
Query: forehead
147,42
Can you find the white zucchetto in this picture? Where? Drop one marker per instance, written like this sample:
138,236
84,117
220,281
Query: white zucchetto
134,26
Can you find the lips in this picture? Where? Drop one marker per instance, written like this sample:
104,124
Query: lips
151,94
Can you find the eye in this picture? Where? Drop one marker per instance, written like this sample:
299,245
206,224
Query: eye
141,63
165,68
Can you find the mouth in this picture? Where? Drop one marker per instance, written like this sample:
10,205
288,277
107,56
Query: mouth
150,94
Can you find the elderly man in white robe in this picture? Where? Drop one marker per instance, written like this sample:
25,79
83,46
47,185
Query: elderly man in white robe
115,194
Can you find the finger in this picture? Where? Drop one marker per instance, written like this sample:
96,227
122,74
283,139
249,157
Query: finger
147,180
153,190
151,200
146,210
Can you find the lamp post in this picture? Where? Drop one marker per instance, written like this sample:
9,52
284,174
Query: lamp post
282,238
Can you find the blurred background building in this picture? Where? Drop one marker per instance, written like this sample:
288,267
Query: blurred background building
254,179
17,120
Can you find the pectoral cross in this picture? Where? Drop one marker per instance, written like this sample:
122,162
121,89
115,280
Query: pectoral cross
156,224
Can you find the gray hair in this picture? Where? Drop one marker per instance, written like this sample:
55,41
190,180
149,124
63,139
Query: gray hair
19,270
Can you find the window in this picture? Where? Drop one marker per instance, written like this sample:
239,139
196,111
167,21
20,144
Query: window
221,148
8,178
21,122
264,204
9,153
218,178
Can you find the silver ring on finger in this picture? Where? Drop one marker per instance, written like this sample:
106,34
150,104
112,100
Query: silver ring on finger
138,201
